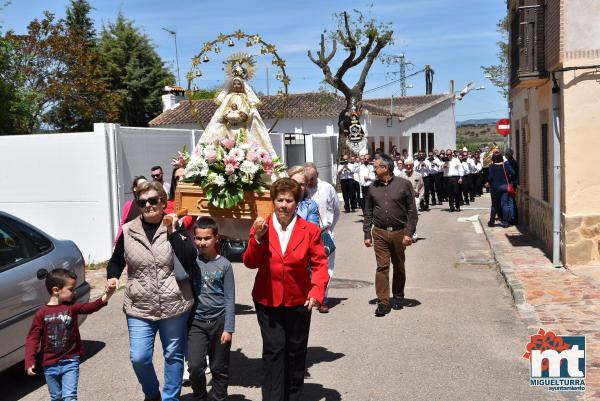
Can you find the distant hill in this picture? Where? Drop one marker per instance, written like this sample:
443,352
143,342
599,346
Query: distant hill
475,133
477,121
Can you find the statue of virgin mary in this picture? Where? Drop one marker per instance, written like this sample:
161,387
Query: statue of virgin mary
236,110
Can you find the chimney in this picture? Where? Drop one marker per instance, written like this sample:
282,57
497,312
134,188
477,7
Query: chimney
171,97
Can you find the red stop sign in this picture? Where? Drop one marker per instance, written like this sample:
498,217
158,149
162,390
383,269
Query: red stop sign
503,126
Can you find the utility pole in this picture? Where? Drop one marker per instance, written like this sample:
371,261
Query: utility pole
176,53
267,80
400,59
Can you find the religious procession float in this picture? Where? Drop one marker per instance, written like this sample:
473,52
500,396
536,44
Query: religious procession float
229,172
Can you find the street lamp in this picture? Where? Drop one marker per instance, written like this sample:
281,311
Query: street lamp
468,88
176,53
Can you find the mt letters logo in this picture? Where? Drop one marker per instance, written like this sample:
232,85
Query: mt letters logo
556,362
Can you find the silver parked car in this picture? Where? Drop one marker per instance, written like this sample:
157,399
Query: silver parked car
26,256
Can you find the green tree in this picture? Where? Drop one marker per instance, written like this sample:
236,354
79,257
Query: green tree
6,90
132,68
56,80
209,93
78,19
498,73
85,97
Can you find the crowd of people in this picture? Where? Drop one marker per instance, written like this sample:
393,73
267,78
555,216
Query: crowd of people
438,176
180,287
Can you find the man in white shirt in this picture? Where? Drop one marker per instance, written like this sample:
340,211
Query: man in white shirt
438,176
465,187
474,176
453,171
346,177
356,163
366,176
416,179
324,194
399,167
424,166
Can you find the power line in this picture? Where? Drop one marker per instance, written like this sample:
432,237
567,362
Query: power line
393,82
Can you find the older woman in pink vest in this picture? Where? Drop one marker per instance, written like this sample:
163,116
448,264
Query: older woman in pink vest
157,298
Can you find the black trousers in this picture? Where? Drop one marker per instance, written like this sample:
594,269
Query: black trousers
484,178
364,191
349,194
438,180
204,338
428,183
284,332
453,189
475,183
465,187
356,187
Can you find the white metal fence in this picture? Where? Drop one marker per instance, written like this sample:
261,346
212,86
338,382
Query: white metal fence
73,186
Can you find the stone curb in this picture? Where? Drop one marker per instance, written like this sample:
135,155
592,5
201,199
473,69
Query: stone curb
517,290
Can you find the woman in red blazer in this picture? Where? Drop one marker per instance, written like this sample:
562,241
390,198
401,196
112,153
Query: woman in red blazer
282,247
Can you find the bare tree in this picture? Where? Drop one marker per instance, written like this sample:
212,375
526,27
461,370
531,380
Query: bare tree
362,39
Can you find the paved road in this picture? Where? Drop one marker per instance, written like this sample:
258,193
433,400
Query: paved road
461,340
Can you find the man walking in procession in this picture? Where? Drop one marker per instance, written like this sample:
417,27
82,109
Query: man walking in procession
390,221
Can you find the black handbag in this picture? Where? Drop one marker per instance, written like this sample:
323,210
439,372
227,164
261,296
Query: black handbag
233,249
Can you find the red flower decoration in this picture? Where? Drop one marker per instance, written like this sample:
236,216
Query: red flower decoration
544,341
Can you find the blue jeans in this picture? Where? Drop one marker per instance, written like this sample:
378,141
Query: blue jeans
173,334
501,205
62,379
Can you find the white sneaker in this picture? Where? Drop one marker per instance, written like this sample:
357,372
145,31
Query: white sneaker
207,370
186,374
415,237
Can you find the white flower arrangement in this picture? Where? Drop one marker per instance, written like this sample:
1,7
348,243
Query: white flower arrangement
227,169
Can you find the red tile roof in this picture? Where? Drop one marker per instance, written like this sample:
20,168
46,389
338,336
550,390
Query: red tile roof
302,105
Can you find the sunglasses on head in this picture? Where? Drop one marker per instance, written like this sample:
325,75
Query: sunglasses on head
153,201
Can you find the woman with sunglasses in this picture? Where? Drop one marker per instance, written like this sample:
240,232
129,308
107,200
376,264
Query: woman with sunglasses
155,301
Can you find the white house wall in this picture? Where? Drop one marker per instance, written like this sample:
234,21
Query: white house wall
288,126
60,183
438,119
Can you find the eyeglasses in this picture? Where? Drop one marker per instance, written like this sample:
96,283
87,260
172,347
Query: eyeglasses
153,201
156,175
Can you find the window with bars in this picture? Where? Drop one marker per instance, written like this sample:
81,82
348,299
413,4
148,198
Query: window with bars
545,158
415,141
423,141
430,142
527,40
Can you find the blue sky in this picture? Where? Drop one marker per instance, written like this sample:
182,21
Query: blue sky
454,37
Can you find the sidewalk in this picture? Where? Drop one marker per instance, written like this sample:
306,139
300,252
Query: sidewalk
564,300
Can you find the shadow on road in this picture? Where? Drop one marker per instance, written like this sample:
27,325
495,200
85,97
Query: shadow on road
15,383
406,302
333,302
241,309
522,239
247,372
